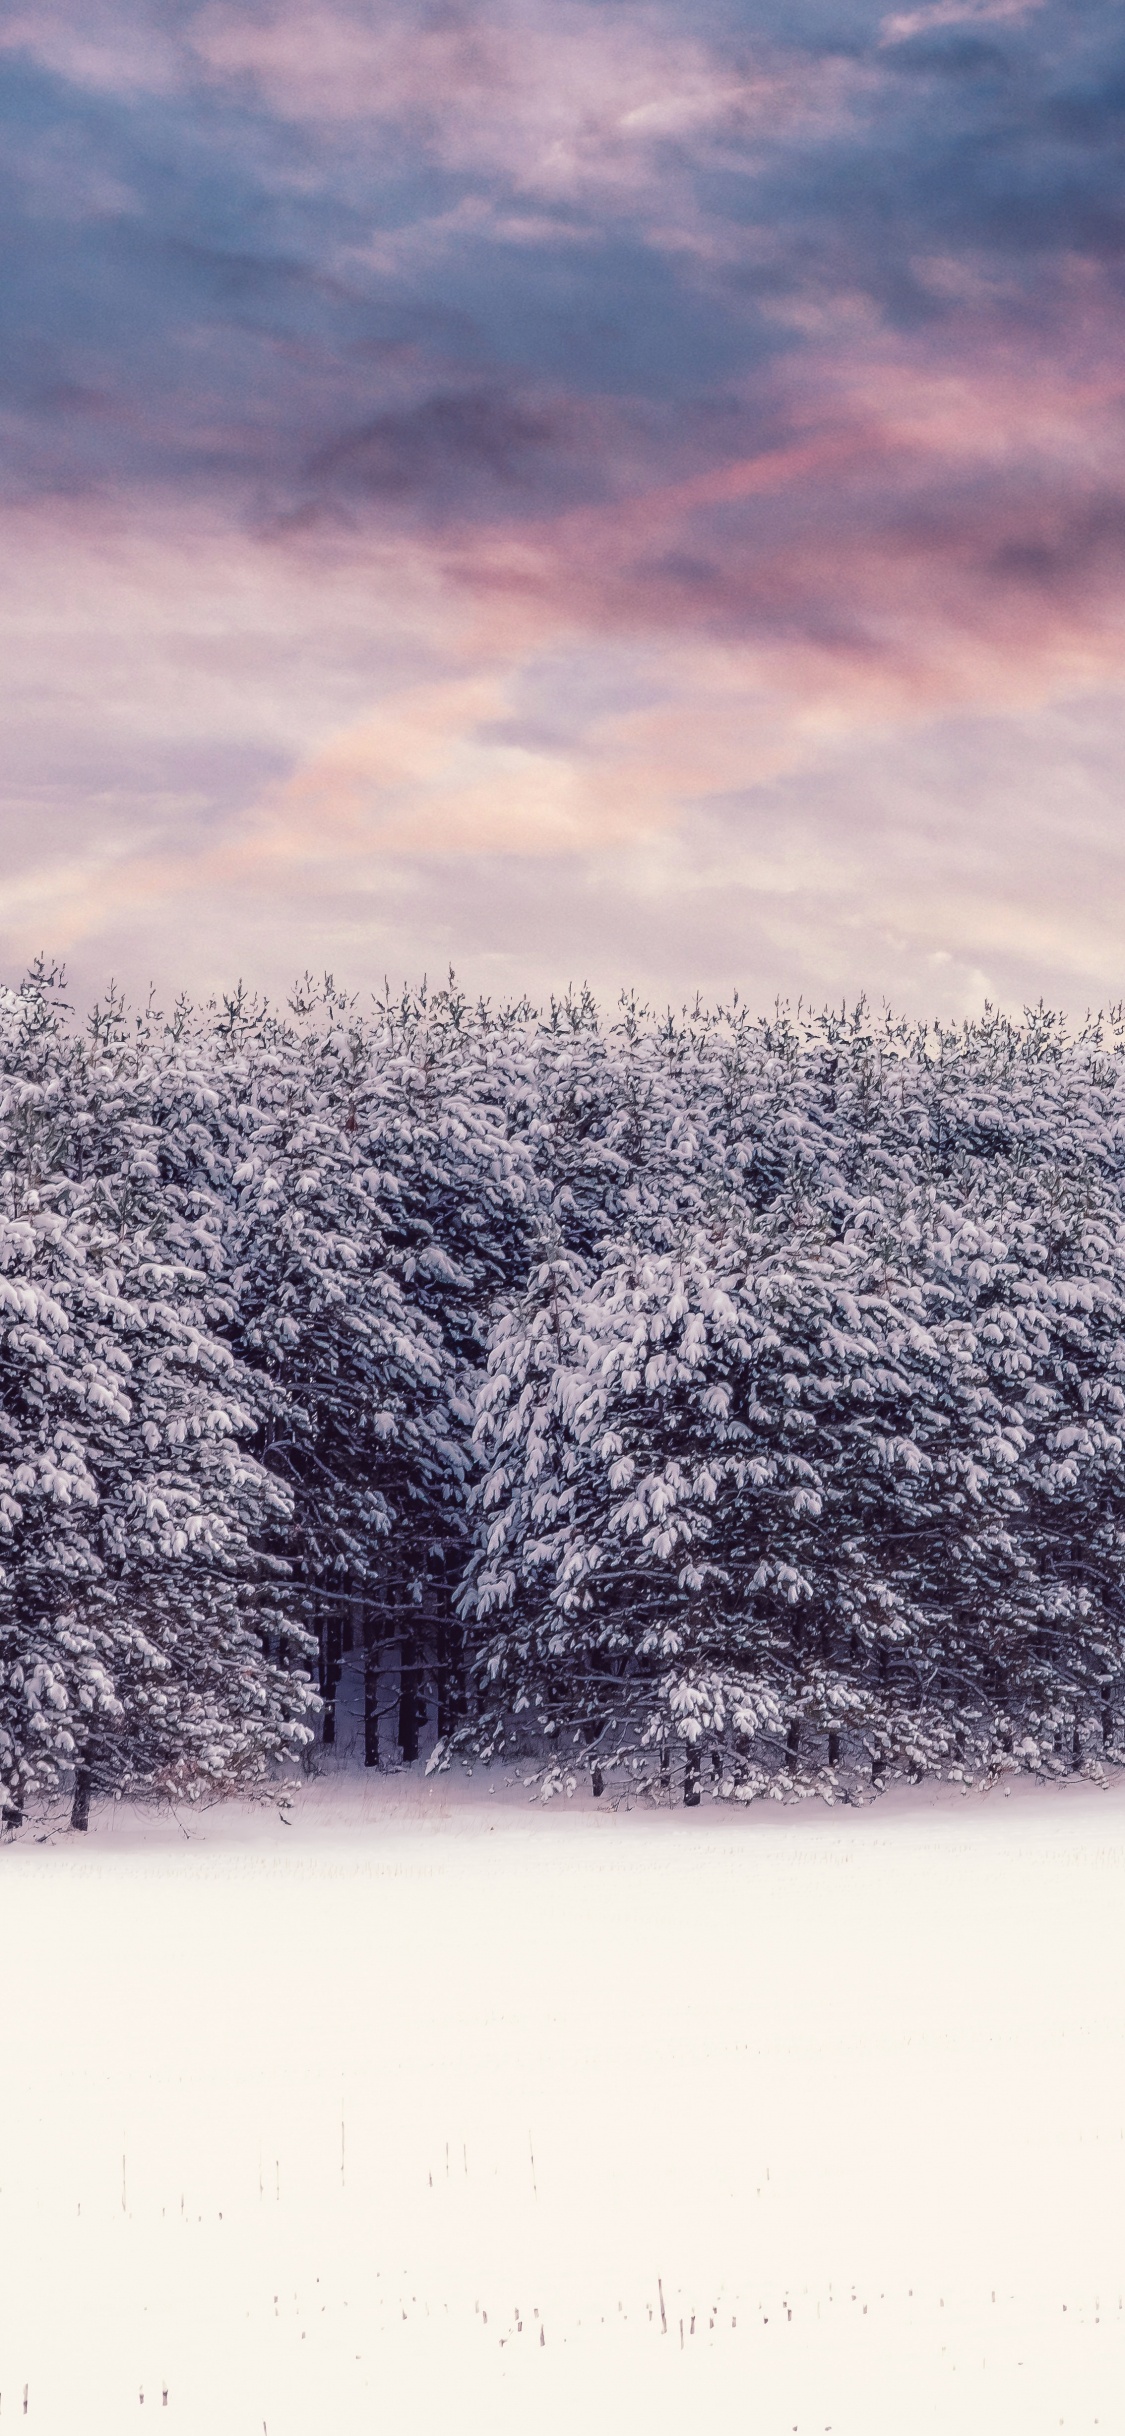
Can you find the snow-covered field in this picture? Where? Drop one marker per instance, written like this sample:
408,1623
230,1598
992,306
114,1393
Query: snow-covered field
425,2108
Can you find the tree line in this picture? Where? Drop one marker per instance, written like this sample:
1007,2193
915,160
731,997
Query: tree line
699,1402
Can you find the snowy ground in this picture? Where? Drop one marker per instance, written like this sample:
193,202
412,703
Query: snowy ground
429,2110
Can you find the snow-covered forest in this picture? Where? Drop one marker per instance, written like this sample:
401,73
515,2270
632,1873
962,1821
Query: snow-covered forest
719,1404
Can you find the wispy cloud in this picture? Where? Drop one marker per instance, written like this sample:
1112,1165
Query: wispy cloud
938,14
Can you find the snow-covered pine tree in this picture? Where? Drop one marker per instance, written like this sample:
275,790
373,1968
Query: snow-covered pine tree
346,1185
834,1485
616,1118
698,1477
462,1213
348,1375
131,1510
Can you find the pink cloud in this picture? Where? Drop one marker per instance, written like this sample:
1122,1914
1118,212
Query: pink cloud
931,530
562,101
932,18
529,792
102,46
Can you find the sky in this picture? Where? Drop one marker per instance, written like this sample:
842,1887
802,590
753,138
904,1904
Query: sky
618,492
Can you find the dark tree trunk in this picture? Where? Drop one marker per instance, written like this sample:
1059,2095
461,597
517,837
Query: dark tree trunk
85,1770
1107,1714
833,1747
597,1783
793,1742
1076,1749
332,1651
80,1806
691,1776
409,1700
370,1692
665,1769
450,1676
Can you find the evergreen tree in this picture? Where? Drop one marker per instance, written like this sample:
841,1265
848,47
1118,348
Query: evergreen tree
832,1487
131,1509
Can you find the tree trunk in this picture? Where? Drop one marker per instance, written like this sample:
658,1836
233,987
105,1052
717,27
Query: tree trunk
1076,1749
409,1699
1107,1714
597,1783
370,1692
332,1651
450,1676
833,1747
665,1769
793,1742
691,1776
80,1807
